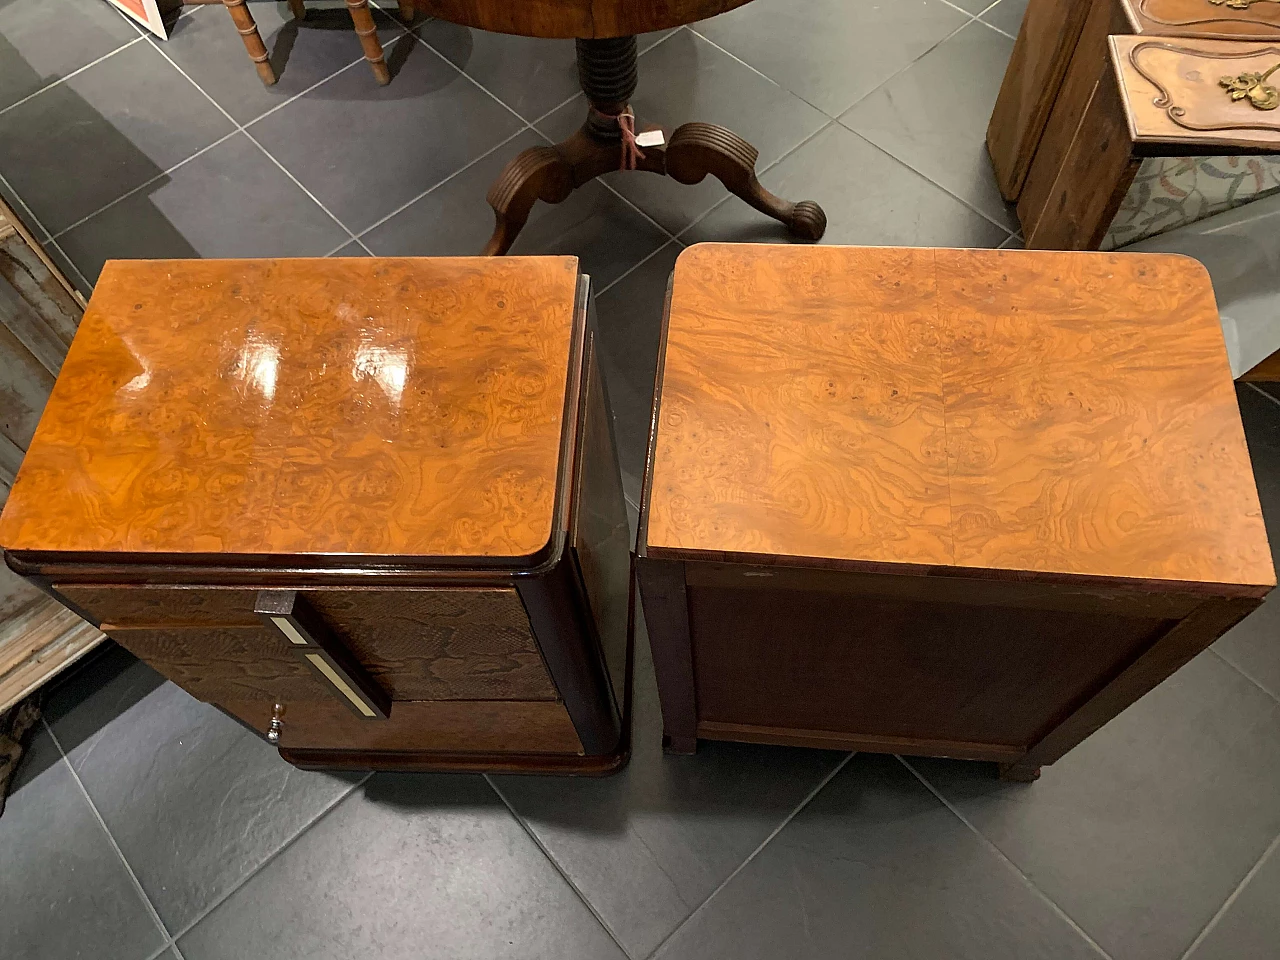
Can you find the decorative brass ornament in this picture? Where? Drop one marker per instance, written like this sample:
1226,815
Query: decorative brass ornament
1254,87
1237,4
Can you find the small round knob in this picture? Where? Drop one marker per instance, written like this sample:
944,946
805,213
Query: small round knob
277,723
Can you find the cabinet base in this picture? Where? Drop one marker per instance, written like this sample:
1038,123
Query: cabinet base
434,762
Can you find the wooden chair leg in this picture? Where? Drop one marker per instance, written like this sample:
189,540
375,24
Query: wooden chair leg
367,30
407,10
243,20
297,9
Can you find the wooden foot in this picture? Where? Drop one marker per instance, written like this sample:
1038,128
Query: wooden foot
407,10
539,173
248,30
297,9
367,31
680,746
697,149
1019,773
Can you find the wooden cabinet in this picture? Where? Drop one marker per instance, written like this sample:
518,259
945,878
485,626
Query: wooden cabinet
946,502
370,508
1061,54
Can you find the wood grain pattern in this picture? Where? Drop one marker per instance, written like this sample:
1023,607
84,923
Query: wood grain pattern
455,726
1198,18
132,606
846,658
1090,64
221,663
1041,55
1171,92
761,338
370,407
452,644
575,18
1007,411
1085,192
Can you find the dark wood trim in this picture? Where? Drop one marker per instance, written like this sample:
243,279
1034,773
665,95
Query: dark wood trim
600,765
1024,594
642,534
1173,650
666,615
1082,581
557,607
831,740
307,635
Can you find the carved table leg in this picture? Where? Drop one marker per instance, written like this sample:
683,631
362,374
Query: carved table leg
298,10
538,173
697,149
248,30
367,31
606,141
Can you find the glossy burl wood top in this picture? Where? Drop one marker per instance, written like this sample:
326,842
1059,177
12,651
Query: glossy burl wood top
401,407
1065,413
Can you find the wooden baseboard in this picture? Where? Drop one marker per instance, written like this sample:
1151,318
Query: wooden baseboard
829,740
37,644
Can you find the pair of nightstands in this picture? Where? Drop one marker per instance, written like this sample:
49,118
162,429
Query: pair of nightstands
965,503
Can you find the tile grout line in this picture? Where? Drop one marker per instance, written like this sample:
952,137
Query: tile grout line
1258,389
636,266
1252,679
436,186
146,900
30,213
1000,854
240,128
142,186
556,865
72,264
79,70
754,853
1232,897
959,199
324,812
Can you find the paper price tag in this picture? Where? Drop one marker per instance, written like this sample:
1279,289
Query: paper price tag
650,138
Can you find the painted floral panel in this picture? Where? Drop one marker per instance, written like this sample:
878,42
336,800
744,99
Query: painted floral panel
1171,192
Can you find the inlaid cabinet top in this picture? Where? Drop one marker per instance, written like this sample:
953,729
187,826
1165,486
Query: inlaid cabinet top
1205,18
1067,413
407,407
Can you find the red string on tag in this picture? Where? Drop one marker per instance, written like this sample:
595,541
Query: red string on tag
626,121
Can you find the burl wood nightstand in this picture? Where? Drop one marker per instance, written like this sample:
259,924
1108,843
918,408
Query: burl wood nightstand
371,508
949,502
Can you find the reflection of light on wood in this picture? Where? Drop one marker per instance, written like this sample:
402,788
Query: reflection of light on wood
258,366
389,367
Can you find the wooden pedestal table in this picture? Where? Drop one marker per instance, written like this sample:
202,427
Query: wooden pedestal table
1170,132
607,69
947,502
370,508
1061,50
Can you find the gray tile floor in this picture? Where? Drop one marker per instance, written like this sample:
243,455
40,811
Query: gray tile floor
146,824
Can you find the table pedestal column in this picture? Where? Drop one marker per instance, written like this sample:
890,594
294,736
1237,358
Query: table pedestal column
607,70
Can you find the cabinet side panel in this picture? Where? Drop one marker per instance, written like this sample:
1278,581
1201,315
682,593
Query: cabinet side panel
602,539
